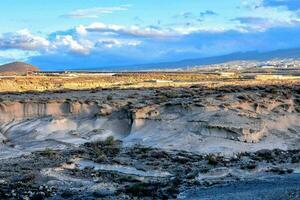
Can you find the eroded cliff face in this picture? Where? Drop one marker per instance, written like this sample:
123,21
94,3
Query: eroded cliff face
26,110
31,126
191,119
214,130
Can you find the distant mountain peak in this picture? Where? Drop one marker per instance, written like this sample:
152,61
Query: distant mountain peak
18,67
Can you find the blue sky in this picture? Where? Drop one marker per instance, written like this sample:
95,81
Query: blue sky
61,34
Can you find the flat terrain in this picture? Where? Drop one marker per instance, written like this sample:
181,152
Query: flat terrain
82,81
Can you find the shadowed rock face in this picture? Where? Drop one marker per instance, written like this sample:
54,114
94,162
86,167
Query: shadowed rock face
58,124
28,110
194,119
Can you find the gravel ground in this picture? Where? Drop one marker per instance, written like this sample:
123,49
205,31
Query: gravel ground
285,187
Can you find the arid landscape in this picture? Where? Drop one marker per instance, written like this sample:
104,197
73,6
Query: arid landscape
157,135
150,100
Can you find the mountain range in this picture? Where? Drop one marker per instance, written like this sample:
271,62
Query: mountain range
238,56
182,64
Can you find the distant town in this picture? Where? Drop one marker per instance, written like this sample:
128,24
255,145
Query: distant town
241,65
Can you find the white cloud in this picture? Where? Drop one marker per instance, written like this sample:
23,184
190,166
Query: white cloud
95,12
251,4
23,40
136,31
110,43
153,32
78,40
80,30
100,37
261,16
13,55
68,43
96,36
260,23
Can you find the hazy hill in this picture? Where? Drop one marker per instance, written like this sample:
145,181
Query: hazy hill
238,56
18,67
251,55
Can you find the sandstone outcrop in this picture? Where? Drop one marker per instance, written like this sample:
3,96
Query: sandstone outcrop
191,119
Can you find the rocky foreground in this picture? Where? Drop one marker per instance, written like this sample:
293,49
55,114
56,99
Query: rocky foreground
109,171
167,143
106,170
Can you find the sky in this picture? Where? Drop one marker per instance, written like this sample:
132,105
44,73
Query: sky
84,34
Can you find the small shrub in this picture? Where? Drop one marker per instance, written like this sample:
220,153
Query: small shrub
98,151
274,91
212,159
109,97
103,150
110,140
163,98
48,152
171,94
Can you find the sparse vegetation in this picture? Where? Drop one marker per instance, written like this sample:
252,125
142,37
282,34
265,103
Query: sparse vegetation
95,82
101,150
48,152
212,159
109,97
170,94
110,140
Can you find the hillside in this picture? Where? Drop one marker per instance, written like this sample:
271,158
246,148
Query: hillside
18,67
251,55
183,64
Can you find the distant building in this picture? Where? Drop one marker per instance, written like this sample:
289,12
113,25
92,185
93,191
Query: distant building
275,77
228,74
268,67
158,81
